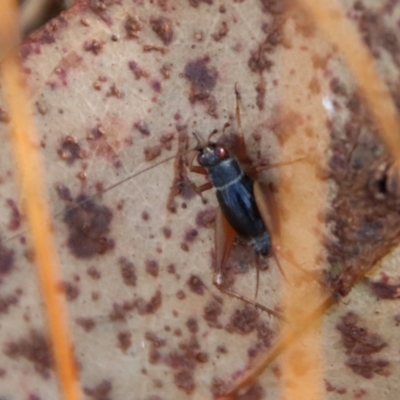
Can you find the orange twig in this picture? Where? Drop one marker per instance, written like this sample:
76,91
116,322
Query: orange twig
38,216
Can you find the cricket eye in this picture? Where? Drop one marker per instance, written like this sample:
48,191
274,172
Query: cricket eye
220,152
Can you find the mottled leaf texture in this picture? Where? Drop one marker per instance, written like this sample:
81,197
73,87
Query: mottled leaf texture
117,88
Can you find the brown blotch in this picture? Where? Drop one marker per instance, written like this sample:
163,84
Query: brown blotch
367,366
206,218
167,232
243,320
356,339
124,340
142,127
15,220
163,28
133,26
221,31
156,85
137,71
274,7
184,247
166,140
329,387
128,271
70,290
314,86
6,260
152,268
212,312
192,325
191,235
383,290
360,345
99,392
196,3
121,310
114,91
184,380
171,268
150,307
63,192
89,225
196,285
86,323
93,46
202,77
4,117
33,348
152,152
94,273
6,302
69,150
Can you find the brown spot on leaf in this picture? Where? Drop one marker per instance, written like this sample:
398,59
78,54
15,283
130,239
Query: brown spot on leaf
93,272
89,225
33,348
93,46
184,380
70,290
69,150
196,285
63,192
133,26
4,117
212,312
150,307
6,301
124,340
152,268
152,152
360,345
206,218
137,71
202,77
86,323
167,232
221,31
163,28
15,220
128,272
142,127
191,235
383,290
6,260
243,320
101,391
192,325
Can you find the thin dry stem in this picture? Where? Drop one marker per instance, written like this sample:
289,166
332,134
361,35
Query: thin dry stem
38,217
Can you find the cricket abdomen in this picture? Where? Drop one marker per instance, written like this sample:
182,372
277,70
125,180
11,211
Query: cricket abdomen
235,196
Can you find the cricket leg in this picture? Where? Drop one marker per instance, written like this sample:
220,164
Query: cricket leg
224,237
241,144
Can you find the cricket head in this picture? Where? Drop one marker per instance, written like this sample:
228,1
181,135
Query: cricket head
210,154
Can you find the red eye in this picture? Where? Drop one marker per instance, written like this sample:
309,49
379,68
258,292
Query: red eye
220,152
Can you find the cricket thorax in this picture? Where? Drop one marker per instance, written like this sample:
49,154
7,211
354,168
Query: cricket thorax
225,173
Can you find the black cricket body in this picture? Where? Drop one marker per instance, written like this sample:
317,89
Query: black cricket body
235,195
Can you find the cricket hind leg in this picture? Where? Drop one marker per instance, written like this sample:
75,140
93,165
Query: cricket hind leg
224,237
